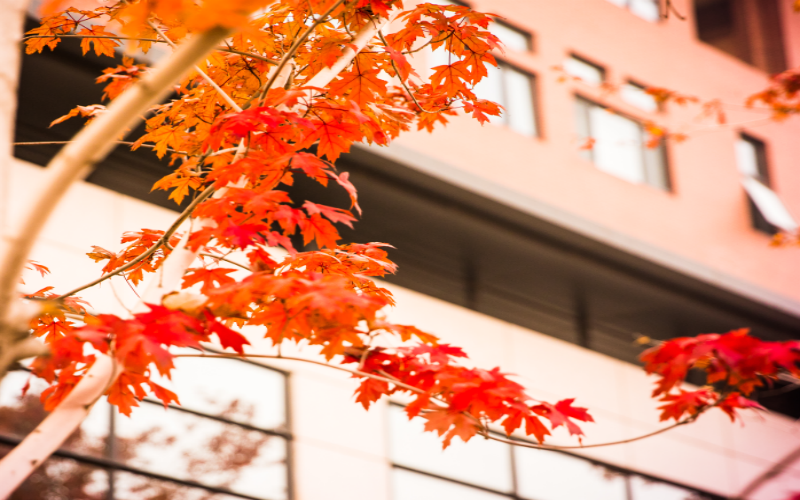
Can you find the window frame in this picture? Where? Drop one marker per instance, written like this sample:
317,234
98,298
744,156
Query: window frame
590,62
627,7
661,150
529,36
758,221
515,494
659,107
534,90
110,465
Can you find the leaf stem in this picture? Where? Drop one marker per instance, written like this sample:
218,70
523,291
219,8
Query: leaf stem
293,49
402,80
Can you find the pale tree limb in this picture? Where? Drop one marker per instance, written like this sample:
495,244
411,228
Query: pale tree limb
90,146
45,439
72,163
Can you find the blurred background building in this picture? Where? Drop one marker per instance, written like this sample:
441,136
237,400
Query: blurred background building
545,243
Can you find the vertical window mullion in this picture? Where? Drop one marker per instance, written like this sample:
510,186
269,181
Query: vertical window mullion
110,450
502,68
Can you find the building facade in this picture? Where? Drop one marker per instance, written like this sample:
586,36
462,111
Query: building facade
545,243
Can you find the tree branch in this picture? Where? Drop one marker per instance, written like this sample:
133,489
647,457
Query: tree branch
90,146
155,40
225,97
164,240
484,430
296,45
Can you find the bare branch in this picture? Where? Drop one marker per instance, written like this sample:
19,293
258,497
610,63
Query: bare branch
484,430
202,73
164,240
155,40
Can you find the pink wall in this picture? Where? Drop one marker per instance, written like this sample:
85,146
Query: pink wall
705,217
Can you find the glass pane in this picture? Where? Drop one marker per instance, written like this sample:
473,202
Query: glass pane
62,478
175,443
231,389
618,144
747,158
646,9
647,489
548,475
637,96
134,487
511,38
491,88
408,485
655,161
519,95
588,73
480,462
20,415
769,204
582,111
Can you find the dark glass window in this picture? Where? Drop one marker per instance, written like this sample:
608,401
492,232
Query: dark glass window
767,212
491,470
222,445
620,145
746,29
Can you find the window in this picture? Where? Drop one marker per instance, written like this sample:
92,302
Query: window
511,37
514,90
768,214
506,85
222,442
584,70
646,9
619,145
636,95
482,470
487,464
749,31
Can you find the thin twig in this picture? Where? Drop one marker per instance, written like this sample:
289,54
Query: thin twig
154,40
402,81
484,430
305,360
202,73
293,49
219,257
165,238
526,444
126,143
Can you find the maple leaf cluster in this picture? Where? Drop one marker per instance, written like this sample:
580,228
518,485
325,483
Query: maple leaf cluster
233,132
782,96
454,400
735,364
